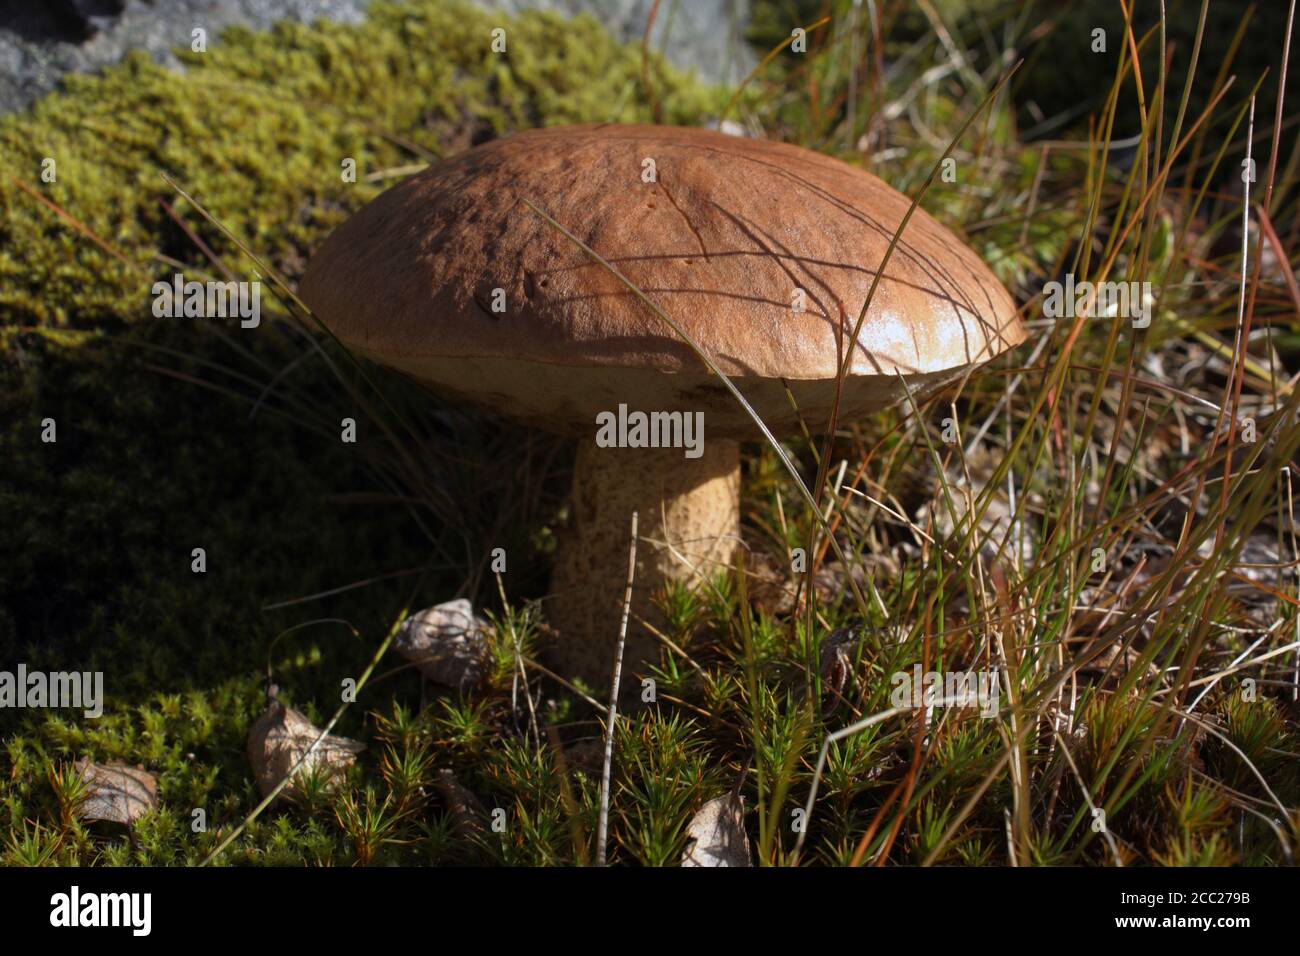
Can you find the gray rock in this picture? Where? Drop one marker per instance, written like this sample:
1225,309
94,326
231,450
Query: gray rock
40,42
706,36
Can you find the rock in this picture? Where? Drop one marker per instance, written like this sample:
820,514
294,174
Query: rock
699,32
40,42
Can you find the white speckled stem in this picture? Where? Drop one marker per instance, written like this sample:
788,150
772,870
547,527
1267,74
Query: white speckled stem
689,525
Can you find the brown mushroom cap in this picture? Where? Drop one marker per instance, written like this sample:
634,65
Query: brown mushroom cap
721,240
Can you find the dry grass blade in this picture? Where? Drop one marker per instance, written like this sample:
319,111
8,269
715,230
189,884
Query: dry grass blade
772,55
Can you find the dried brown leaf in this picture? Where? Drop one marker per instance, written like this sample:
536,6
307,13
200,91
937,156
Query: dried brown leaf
280,737
116,793
447,642
717,834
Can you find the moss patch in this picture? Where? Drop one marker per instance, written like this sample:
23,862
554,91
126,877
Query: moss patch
157,453
257,129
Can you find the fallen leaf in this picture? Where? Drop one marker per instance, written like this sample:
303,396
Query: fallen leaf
280,737
717,834
116,793
447,642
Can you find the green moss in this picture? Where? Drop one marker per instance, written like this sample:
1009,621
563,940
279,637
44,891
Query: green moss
95,565
95,546
158,453
257,129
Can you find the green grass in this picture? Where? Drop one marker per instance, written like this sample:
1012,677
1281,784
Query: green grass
1095,436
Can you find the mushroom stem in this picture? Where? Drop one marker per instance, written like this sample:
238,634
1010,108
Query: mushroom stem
689,517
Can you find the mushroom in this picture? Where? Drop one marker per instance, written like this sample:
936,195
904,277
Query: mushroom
762,253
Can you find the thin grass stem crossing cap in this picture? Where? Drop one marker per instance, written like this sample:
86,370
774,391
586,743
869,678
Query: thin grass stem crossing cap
762,252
